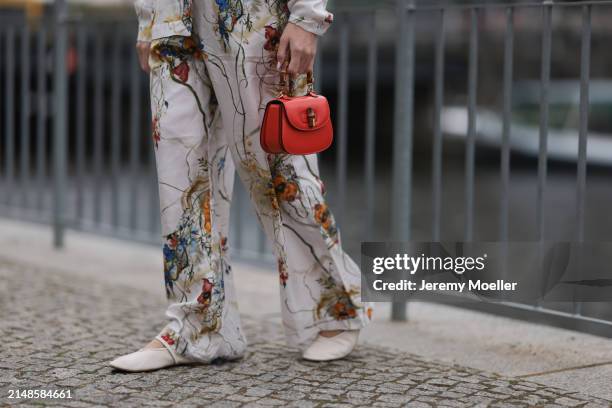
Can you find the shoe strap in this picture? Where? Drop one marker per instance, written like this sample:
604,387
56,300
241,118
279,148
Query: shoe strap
168,347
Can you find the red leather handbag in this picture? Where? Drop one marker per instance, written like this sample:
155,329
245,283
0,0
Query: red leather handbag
297,125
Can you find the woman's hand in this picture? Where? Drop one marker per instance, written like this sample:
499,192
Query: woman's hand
298,47
142,48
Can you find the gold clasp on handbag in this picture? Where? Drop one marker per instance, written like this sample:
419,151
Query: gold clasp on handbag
312,117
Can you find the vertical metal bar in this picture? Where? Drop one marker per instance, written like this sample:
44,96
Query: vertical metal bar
318,66
506,131
135,135
341,144
41,117
81,111
370,132
261,241
507,116
2,109
2,103
243,209
98,123
9,114
154,214
401,210
60,128
238,216
585,70
25,115
585,67
544,113
154,210
470,144
436,198
544,101
115,125
399,111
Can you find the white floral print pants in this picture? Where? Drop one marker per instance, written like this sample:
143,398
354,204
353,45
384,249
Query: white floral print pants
208,93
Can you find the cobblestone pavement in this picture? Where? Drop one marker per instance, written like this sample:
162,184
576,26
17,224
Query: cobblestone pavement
59,331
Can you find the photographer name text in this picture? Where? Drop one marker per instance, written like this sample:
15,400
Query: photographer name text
423,285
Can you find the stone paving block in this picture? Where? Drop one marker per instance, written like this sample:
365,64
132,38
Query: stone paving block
241,398
225,404
269,402
258,392
331,391
478,400
452,395
317,396
509,404
590,405
394,398
568,402
360,395
303,404
431,400
452,403
419,404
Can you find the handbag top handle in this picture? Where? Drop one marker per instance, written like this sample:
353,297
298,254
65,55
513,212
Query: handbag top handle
286,83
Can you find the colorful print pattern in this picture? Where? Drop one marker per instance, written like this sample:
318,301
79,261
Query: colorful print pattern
166,18
208,93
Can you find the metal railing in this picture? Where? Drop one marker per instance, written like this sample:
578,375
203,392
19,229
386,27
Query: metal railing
72,134
407,12
103,168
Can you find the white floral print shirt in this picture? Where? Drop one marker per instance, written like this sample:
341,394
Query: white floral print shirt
164,18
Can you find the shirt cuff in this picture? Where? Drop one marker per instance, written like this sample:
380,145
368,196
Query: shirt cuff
144,12
144,33
315,26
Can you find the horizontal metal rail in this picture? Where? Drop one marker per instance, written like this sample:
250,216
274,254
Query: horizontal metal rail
431,5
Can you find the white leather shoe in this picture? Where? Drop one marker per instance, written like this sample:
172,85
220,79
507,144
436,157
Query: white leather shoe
148,359
332,348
